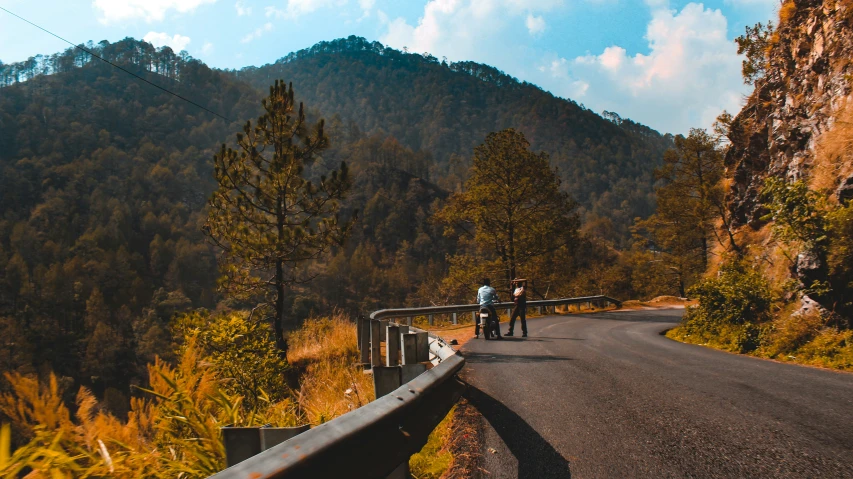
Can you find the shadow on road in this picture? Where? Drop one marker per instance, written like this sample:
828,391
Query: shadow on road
639,316
510,358
536,457
514,339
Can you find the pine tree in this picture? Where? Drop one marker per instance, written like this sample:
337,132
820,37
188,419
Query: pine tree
268,218
691,211
512,207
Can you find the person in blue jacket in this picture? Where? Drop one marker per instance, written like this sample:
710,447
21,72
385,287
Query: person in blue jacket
487,296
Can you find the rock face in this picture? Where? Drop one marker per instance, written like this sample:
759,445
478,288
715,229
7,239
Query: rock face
809,268
845,190
809,77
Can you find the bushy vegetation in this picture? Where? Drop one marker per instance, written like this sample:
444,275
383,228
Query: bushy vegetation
172,429
741,311
732,309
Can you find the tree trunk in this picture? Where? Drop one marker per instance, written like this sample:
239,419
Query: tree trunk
511,271
279,307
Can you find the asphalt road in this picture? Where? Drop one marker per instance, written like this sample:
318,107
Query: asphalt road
606,395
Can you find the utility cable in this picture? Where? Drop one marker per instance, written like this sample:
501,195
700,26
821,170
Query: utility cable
117,66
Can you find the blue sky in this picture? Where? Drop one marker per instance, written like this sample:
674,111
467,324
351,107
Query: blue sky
669,64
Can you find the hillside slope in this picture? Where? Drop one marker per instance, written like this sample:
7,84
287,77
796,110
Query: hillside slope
448,108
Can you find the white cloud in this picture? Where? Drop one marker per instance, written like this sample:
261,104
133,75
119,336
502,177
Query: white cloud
242,9
159,39
690,75
768,4
366,6
296,8
266,27
466,29
207,48
535,25
382,17
113,11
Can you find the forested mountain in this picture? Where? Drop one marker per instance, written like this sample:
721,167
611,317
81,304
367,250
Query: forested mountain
103,185
448,108
104,182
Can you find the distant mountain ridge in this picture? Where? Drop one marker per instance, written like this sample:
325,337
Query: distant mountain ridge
448,108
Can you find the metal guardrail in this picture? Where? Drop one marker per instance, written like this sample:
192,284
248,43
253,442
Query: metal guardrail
455,309
376,440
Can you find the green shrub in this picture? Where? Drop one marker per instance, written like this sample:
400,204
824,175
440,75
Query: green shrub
831,348
840,258
242,351
433,461
731,312
791,332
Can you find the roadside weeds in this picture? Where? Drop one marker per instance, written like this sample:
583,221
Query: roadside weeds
466,436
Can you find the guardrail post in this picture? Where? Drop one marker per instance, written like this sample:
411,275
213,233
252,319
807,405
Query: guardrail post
364,340
375,343
474,316
411,371
240,443
589,305
383,327
422,346
272,436
454,319
385,380
430,320
392,346
408,320
539,310
508,313
410,348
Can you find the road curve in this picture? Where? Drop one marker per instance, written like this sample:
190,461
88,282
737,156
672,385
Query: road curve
606,395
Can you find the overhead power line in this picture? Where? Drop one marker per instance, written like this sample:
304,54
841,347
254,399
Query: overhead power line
117,66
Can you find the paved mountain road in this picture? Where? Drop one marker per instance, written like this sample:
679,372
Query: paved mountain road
605,395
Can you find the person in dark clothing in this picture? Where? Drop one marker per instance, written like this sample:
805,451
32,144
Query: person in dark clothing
519,297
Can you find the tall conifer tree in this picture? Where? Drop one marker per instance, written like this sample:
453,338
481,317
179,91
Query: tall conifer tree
268,218
512,207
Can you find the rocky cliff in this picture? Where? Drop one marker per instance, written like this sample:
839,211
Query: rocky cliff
807,84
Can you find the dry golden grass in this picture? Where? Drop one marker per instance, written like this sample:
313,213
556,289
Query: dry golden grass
834,156
174,430
787,11
332,382
767,255
322,339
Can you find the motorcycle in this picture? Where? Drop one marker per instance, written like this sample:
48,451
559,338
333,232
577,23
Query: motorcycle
488,324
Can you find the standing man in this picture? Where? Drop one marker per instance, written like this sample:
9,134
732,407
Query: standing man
487,296
519,297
